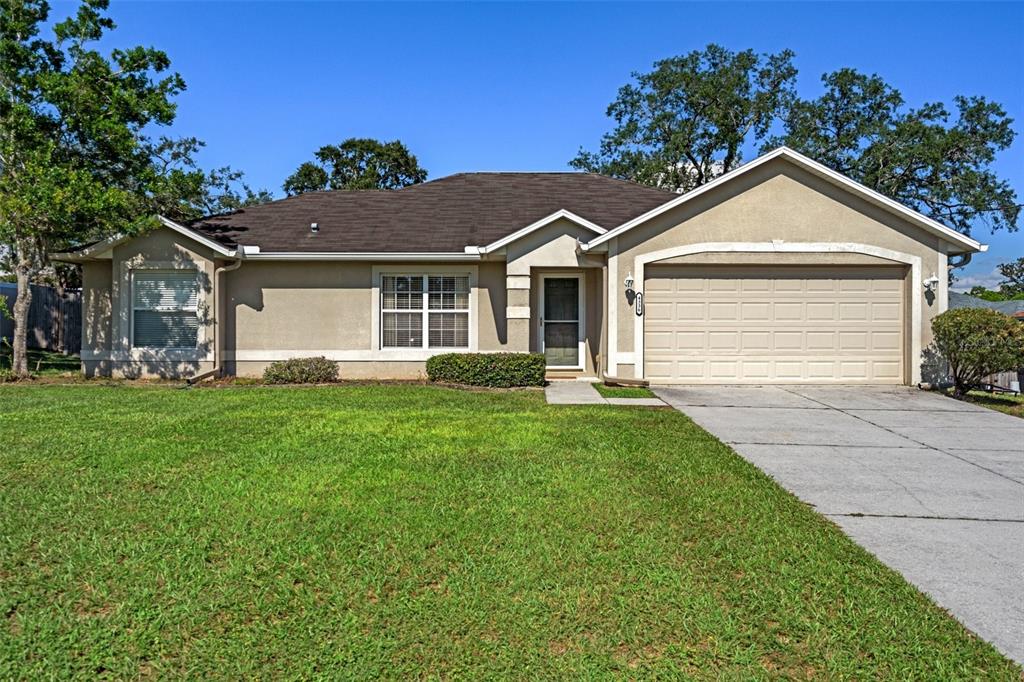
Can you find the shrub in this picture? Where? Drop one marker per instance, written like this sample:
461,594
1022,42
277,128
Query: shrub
977,342
318,370
496,370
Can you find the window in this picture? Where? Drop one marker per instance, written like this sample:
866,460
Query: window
424,311
165,311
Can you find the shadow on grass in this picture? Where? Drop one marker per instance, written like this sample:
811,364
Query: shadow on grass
43,362
1003,402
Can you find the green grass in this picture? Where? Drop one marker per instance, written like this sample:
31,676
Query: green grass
623,391
1003,402
43,362
414,531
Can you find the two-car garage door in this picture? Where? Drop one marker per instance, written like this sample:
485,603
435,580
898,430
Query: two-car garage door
774,324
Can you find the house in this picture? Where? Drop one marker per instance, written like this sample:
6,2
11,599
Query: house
1011,308
781,271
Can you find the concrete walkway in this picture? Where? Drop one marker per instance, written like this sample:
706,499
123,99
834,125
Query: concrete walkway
932,486
570,392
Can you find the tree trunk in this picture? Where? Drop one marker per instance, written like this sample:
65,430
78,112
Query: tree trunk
27,265
20,312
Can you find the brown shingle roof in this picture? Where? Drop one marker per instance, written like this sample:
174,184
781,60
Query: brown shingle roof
445,215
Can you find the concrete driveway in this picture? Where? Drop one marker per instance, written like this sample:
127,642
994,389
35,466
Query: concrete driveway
933,487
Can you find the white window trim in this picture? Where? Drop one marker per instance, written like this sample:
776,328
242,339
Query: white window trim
121,325
420,354
581,322
195,309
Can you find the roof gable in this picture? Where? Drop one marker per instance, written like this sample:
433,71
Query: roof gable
965,244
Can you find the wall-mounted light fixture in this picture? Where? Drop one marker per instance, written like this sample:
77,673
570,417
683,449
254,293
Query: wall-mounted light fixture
314,227
931,282
629,281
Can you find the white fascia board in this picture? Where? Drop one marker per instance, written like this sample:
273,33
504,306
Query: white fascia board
363,256
543,222
815,168
98,249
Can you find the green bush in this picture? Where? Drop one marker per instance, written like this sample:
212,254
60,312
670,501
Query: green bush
977,342
496,370
317,370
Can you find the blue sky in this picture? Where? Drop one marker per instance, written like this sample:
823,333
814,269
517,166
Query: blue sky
494,86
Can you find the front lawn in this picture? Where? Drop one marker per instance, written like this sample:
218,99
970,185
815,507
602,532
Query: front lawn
1003,402
623,391
413,531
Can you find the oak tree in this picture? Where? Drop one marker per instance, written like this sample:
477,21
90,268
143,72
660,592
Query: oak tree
687,121
357,163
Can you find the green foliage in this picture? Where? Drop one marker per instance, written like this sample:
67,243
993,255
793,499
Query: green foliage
977,342
420,532
77,159
685,123
990,295
921,157
318,370
495,370
1012,285
357,163
184,192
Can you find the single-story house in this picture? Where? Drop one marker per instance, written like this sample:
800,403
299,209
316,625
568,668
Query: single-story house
961,300
781,271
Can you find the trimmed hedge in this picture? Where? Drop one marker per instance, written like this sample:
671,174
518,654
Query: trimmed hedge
495,370
317,370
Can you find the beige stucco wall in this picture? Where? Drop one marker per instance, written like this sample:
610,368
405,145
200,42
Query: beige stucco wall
593,311
776,201
304,306
492,301
552,246
271,310
279,308
97,309
96,305
107,311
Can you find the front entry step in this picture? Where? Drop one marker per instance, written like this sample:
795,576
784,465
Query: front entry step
568,374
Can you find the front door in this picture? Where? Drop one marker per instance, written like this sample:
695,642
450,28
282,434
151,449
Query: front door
560,321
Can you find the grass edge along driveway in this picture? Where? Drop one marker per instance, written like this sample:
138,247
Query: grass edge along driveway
393,531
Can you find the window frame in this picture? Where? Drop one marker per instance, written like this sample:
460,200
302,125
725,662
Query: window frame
425,273
133,308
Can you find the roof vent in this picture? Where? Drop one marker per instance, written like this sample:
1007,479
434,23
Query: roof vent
314,227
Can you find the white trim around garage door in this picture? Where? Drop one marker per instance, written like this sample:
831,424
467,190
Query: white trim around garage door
788,247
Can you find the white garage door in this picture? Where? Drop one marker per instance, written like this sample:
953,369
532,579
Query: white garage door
721,324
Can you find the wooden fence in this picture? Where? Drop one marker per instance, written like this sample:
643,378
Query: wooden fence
1007,381
54,320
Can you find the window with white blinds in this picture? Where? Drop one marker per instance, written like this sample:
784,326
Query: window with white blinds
424,311
165,309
